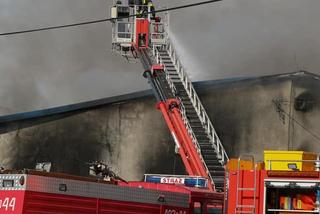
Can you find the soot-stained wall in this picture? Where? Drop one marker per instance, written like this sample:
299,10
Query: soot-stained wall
269,113
245,117
305,112
275,112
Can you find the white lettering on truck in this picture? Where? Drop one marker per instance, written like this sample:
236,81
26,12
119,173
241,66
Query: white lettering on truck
167,211
8,204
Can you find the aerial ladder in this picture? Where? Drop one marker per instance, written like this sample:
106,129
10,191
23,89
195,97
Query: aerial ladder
138,34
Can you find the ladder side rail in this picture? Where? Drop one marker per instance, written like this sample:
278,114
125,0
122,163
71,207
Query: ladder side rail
198,105
159,61
240,188
255,188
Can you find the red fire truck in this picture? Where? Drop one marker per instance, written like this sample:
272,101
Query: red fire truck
290,184
32,191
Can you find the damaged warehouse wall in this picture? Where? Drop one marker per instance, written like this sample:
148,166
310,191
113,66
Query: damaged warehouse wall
268,113
250,115
244,115
304,124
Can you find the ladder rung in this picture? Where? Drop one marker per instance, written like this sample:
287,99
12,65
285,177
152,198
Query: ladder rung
246,189
245,206
245,211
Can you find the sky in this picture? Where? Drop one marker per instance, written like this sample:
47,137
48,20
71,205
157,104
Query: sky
232,38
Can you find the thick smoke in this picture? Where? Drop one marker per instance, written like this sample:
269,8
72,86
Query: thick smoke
248,37
225,39
52,68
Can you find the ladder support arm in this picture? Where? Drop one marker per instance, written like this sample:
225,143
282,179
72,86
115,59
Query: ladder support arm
163,108
188,143
187,150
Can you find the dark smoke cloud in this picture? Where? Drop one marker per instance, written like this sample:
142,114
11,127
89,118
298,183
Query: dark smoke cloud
225,39
249,37
51,68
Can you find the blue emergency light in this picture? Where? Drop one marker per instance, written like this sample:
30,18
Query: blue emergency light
189,181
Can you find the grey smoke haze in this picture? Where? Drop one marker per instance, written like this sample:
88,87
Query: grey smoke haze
226,39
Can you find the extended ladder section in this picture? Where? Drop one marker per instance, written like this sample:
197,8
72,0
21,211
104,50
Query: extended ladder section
169,105
196,139
196,120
